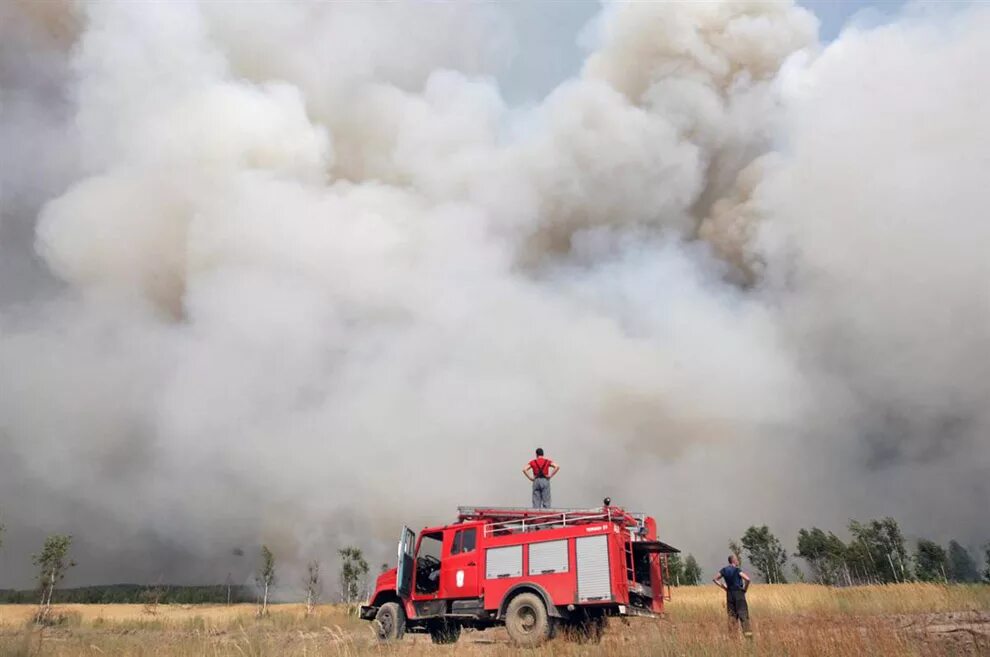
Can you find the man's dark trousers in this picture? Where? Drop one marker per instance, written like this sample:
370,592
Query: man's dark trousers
735,602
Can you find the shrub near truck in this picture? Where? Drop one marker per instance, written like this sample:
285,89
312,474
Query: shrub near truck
533,570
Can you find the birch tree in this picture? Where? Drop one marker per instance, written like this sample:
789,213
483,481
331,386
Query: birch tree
353,569
53,563
675,569
878,546
962,568
313,585
692,571
765,553
825,554
265,579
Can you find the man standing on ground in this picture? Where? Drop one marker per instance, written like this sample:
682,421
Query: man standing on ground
540,471
735,583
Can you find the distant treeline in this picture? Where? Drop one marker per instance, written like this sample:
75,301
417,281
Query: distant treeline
54,561
875,553
135,594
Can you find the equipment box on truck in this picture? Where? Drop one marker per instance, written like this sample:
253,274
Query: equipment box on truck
533,570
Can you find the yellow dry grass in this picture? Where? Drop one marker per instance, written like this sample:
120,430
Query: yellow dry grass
166,616
793,620
790,599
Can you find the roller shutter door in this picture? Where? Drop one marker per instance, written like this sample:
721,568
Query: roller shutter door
592,568
503,562
549,557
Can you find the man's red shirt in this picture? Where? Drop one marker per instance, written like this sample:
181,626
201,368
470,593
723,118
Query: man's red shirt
541,467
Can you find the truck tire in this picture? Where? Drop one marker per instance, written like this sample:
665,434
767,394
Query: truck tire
443,632
390,622
527,620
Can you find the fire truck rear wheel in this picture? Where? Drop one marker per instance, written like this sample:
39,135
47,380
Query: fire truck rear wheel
527,620
390,622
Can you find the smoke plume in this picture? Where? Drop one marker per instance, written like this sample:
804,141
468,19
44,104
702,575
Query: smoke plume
300,273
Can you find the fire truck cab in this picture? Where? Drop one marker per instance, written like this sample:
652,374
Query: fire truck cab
536,571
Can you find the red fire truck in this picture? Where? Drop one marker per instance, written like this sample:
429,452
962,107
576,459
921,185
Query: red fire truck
533,570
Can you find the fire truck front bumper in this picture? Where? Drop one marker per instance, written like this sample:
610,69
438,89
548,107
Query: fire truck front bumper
628,610
368,612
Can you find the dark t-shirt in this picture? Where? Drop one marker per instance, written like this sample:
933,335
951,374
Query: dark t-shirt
732,577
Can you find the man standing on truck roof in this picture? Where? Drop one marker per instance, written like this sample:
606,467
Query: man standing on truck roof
543,470
735,583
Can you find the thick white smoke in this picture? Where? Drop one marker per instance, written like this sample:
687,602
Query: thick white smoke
320,278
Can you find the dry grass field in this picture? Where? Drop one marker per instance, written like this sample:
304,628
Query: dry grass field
795,620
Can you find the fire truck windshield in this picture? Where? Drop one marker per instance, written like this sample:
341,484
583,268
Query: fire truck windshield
428,562
429,545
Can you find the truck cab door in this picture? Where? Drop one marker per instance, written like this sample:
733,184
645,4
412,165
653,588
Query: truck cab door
459,569
404,572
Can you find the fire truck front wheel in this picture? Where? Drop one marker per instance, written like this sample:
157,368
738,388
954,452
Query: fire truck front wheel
527,620
390,622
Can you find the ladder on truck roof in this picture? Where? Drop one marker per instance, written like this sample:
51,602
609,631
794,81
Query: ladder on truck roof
512,519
